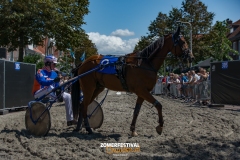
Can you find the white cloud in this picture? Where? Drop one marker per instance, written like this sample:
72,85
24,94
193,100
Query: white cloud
112,45
121,33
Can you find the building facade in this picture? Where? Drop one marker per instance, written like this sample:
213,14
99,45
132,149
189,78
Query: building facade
46,49
234,37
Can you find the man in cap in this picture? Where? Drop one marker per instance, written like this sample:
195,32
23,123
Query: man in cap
46,79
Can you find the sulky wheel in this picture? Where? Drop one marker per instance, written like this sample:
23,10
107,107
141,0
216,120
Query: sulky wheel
43,125
96,119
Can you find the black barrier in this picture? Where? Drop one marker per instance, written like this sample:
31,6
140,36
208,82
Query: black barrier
2,95
225,82
18,81
3,52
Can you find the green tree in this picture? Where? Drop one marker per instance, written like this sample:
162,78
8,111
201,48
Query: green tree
193,11
65,63
86,47
218,45
196,12
25,22
34,59
142,43
159,26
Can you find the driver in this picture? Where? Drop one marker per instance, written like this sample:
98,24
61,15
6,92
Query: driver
45,80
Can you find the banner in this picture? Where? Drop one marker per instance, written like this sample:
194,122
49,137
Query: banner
82,58
72,53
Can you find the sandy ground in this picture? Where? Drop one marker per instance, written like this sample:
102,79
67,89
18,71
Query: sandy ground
189,133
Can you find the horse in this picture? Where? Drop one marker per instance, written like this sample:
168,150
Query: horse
140,70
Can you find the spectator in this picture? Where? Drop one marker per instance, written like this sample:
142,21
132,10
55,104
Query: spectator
190,87
178,86
201,86
158,86
194,84
164,85
184,85
169,84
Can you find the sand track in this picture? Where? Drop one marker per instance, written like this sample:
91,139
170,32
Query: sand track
189,133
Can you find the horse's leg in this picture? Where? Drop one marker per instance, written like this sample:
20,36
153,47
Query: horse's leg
97,91
135,115
80,119
148,97
84,114
88,89
94,95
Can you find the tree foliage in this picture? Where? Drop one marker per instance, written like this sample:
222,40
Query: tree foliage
143,42
219,47
159,26
67,62
26,22
207,41
34,59
86,47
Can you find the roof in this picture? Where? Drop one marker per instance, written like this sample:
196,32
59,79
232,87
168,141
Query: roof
237,23
236,32
37,50
205,63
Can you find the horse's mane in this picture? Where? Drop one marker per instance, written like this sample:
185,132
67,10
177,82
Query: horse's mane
152,48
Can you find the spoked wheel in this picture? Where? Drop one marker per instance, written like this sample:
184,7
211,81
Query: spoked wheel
43,125
96,112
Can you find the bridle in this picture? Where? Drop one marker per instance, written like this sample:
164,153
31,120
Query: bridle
186,52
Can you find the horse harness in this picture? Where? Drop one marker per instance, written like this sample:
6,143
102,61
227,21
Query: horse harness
121,65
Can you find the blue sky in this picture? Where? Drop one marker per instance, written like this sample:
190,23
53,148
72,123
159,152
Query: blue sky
115,26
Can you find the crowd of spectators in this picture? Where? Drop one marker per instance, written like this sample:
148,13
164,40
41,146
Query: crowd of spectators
64,78
190,87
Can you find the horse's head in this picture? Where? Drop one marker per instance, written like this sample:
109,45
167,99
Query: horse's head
180,48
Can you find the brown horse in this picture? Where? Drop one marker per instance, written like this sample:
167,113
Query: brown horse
140,77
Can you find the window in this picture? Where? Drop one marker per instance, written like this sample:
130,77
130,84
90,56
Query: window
234,45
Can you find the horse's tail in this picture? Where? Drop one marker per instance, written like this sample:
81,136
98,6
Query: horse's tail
75,94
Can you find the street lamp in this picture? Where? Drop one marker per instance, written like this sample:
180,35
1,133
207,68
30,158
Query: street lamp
190,34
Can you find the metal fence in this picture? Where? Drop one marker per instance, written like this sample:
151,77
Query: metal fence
200,91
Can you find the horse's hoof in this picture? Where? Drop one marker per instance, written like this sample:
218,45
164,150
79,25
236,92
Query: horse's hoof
159,129
89,130
134,134
76,130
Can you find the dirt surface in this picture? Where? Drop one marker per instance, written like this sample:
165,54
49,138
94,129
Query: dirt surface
190,132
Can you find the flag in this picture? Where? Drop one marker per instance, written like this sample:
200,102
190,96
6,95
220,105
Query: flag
82,58
72,53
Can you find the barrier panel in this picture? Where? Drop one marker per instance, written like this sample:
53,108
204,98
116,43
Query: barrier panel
2,85
205,90
225,79
16,80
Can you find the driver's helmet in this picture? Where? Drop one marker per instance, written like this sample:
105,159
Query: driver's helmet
50,59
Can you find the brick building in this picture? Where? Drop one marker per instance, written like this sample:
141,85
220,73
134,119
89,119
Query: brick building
46,49
234,37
